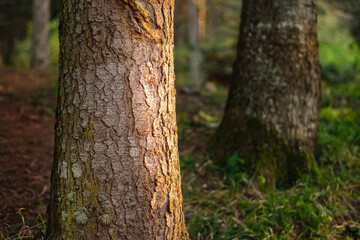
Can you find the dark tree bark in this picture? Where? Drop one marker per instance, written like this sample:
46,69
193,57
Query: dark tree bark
40,38
116,171
272,112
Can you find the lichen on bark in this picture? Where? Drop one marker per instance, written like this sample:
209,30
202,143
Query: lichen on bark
116,169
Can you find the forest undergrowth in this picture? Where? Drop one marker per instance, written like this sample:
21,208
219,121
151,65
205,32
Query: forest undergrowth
224,202
220,202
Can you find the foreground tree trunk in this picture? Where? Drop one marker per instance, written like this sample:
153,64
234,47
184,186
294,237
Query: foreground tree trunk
40,38
272,112
116,171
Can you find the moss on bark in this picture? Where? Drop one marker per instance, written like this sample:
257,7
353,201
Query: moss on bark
272,113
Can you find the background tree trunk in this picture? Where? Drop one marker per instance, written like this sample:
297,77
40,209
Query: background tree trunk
14,16
40,38
7,49
116,172
196,55
272,112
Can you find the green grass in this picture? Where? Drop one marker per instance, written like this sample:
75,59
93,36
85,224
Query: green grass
223,203
323,206
32,230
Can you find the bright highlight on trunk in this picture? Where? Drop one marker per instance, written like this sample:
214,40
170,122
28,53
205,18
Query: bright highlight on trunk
116,172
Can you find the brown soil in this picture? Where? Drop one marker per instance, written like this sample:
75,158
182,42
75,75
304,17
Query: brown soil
27,119
26,145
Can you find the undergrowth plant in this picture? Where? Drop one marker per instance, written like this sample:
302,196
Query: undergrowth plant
324,205
34,231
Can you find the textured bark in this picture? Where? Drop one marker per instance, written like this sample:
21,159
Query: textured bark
272,112
116,172
40,39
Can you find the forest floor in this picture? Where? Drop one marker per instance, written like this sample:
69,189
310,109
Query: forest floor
27,120
27,123
220,203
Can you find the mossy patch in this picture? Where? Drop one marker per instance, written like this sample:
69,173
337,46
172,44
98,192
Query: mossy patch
271,159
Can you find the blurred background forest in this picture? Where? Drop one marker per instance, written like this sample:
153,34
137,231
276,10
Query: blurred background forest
220,202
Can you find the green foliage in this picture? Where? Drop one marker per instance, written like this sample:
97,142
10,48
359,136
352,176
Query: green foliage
308,210
324,203
22,56
234,171
182,66
339,55
187,162
35,231
234,165
318,206
54,45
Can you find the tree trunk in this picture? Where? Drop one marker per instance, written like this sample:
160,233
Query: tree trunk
40,39
7,48
196,55
116,171
272,112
